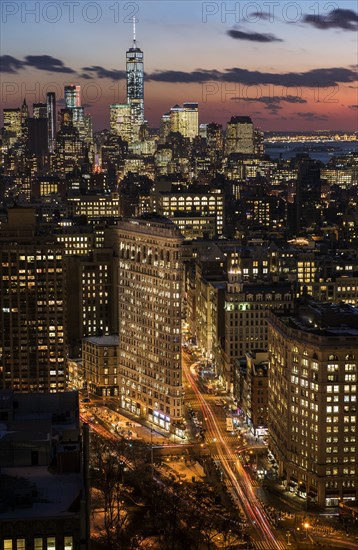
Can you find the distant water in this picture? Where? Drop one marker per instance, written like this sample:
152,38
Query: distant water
317,151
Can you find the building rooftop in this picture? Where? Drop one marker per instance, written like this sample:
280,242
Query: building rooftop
323,318
34,492
110,340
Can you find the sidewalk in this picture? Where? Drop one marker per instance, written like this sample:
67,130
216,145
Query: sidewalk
297,503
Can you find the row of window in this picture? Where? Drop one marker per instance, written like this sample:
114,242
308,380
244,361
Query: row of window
38,543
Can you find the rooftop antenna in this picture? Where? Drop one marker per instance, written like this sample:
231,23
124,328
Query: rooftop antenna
134,38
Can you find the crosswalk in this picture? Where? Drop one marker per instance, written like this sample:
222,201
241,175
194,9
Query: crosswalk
268,545
226,437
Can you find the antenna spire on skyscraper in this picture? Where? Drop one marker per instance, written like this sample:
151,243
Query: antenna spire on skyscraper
134,37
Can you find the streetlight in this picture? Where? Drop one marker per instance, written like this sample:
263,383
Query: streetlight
288,534
306,526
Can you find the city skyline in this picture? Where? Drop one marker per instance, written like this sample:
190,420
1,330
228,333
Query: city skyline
295,69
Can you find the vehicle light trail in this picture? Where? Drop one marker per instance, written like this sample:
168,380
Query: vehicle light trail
240,480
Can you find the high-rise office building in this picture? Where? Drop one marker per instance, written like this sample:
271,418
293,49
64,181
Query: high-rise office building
164,129
308,194
240,136
39,110
120,120
24,112
185,120
51,120
135,85
312,401
32,307
195,211
37,135
150,286
78,117
12,125
92,308
72,96
24,118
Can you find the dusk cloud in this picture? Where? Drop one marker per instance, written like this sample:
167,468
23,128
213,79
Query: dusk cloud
252,36
272,103
272,100
313,78
311,116
9,64
47,63
336,19
101,72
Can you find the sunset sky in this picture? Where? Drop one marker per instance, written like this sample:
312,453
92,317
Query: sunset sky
290,65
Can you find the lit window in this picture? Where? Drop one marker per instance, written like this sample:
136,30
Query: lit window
8,544
20,544
51,543
68,543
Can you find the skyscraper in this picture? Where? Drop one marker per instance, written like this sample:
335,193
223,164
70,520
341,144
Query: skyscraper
32,306
73,104
120,120
72,96
149,285
185,120
135,85
12,125
312,400
39,110
51,121
240,136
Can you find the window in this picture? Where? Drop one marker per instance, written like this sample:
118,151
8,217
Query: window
20,544
51,543
38,543
68,543
8,544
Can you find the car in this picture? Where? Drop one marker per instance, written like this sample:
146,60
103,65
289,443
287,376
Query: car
86,400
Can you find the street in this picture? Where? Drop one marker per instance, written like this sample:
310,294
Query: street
221,449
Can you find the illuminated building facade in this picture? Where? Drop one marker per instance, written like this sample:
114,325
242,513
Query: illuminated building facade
72,96
185,120
240,136
51,120
135,86
120,120
39,110
251,390
94,207
100,364
196,211
313,358
92,306
164,129
149,287
12,125
246,310
32,309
